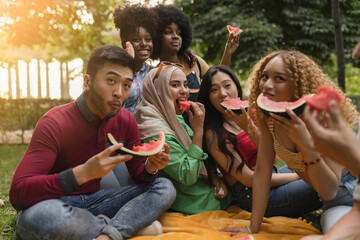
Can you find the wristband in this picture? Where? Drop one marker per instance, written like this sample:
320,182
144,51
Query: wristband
148,169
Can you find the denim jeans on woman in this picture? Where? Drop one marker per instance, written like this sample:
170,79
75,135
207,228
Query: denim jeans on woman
336,208
118,213
291,200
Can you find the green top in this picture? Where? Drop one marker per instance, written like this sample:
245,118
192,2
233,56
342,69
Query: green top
194,193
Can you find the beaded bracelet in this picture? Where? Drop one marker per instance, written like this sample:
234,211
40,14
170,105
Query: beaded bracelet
307,164
312,162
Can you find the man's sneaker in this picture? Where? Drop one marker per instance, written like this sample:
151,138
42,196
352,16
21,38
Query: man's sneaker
153,229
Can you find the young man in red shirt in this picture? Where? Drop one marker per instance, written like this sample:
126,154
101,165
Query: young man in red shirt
56,186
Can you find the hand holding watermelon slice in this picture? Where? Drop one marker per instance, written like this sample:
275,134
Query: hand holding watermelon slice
146,149
322,99
234,30
184,105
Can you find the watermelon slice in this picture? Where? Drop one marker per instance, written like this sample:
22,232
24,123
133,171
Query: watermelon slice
234,30
235,104
322,100
279,108
248,237
184,105
130,49
192,91
145,149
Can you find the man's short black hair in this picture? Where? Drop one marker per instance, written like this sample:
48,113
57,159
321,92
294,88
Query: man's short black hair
113,54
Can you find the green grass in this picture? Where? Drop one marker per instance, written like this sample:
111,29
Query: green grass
9,159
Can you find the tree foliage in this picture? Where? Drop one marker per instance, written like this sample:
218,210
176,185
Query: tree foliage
65,28
270,25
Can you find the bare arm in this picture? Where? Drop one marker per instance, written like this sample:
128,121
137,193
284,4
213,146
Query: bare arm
245,176
261,181
278,179
325,175
356,52
197,122
230,47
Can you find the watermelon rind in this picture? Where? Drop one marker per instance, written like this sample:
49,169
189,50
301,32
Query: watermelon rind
232,30
237,110
194,90
237,32
123,150
130,49
298,108
322,99
248,237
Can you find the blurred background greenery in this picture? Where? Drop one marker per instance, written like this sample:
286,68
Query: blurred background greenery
65,30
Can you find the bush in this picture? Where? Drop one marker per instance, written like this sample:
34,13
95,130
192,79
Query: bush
23,114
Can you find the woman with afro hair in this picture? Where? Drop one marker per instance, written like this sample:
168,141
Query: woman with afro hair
174,36
288,76
137,25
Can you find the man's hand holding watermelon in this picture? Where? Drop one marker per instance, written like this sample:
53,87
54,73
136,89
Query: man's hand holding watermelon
158,161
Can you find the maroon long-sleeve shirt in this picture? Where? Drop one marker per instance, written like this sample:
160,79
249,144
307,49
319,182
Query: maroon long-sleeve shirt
64,138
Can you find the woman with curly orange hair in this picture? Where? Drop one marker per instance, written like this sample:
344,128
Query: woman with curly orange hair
288,76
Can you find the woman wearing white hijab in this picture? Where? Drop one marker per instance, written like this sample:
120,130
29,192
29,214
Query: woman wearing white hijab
163,87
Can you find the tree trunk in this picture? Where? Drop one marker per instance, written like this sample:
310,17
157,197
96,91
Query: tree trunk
10,81
47,80
39,78
61,81
28,92
67,84
22,136
339,45
17,80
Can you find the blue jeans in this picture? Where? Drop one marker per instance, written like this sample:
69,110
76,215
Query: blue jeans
336,208
293,199
118,213
345,192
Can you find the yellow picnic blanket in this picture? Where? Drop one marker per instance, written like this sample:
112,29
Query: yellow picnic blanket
178,226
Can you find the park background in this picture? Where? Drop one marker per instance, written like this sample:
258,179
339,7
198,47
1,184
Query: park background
44,45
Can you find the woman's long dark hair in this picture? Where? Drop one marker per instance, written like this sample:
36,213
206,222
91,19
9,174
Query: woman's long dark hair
213,119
